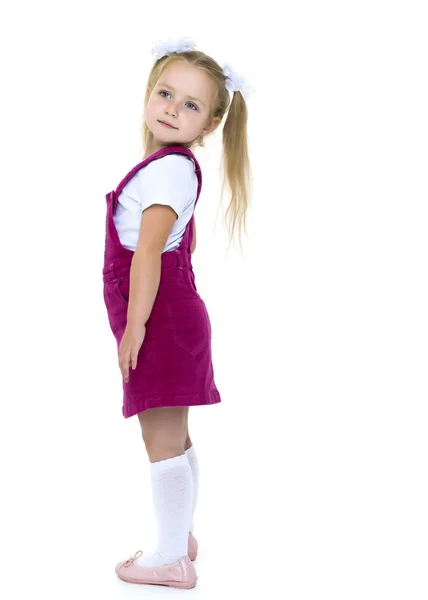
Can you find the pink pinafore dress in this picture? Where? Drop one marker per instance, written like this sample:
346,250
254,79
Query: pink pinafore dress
174,366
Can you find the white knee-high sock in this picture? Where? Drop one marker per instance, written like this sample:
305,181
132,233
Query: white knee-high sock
194,465
172,488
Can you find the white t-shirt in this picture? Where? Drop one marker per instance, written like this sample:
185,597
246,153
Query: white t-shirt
169,180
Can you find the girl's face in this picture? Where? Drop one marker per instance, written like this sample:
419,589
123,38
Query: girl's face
181,97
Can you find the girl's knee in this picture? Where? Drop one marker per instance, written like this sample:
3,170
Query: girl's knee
164,432
165,442
157,452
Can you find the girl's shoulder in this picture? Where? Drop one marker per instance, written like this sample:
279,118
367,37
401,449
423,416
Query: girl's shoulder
168,170
173,169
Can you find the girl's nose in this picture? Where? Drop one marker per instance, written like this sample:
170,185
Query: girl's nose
172,110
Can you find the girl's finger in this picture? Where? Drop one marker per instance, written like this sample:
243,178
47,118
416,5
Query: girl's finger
124,364
134,359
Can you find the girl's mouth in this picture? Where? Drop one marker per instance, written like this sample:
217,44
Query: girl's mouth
167,125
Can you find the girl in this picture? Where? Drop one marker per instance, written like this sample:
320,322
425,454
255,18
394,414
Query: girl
159,320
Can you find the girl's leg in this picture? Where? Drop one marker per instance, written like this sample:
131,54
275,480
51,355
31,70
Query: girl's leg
188,442
193,460
164,432
164,435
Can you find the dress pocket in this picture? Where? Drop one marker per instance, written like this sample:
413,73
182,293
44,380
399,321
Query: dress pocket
190,324
116,306
122,285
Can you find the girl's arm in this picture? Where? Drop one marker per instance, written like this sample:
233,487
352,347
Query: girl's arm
156,224
193,246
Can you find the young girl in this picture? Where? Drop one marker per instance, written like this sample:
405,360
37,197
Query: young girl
159,320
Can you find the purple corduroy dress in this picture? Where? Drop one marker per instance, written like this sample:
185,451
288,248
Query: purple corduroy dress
174,366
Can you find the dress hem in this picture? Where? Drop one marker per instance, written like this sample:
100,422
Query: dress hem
159,401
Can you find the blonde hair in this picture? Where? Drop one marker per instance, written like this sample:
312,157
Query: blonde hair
235,159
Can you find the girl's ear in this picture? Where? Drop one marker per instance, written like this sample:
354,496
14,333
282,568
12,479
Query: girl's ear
212,125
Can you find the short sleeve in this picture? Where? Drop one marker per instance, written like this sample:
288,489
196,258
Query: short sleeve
169,180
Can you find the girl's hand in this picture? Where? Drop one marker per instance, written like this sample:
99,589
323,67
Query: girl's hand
130,345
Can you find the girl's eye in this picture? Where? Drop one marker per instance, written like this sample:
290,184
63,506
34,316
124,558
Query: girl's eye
191,103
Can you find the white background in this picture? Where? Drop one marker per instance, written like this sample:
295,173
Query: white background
313,469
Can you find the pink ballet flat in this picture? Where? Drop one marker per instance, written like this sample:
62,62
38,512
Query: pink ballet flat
192,548
181,574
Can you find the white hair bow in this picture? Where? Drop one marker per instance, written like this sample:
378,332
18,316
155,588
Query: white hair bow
164,48
236,83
